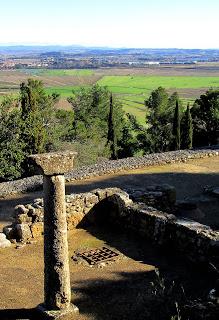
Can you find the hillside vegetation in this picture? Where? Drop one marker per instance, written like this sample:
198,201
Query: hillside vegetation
98,126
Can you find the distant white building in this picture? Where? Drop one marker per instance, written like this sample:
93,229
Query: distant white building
152,63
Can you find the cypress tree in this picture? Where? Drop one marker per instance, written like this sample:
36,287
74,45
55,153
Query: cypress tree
176,127
111,137
187,129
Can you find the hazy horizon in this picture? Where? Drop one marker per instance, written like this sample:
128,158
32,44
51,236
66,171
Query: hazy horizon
191,24
96,46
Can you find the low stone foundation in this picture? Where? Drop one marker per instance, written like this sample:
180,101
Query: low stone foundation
114,207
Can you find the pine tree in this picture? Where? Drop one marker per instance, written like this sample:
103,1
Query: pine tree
187,129
111,137
176,127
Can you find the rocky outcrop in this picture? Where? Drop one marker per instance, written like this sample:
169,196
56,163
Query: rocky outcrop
109,167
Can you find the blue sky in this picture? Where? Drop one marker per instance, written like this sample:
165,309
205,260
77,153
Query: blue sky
116,23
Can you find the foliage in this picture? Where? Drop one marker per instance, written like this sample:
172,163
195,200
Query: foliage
38,116
187,129
91,108
159,133
97,126
11,146
205,115
111,136
30,126
167,294
176,127
130,144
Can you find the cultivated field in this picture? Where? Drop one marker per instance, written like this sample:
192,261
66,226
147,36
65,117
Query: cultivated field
132,86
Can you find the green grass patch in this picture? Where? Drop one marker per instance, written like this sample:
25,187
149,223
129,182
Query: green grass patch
59,72
145,84
138,110
65,91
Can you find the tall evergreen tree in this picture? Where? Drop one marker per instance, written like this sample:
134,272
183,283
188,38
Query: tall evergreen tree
158,121
176,128
187,129
111,136
205,118
38,116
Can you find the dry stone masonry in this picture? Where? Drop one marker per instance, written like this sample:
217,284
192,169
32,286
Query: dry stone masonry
109,167
199,243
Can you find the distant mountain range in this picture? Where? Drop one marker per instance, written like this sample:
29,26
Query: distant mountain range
76,49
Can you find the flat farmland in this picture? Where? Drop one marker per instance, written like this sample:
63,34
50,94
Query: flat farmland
131,85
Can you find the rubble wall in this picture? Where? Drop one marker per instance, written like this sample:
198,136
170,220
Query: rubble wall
109,167
115,208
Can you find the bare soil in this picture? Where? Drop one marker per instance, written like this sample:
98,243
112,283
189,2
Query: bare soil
120,290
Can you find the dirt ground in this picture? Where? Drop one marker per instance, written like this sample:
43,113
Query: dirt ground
123,289
188,178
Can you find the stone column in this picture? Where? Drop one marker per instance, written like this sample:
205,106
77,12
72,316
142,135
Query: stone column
57,289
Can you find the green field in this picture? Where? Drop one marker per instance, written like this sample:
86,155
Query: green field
59,72
65,91
131,90
136,84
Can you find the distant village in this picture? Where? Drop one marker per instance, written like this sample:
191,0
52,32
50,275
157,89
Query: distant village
97,58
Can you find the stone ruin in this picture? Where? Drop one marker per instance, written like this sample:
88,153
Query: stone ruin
145,213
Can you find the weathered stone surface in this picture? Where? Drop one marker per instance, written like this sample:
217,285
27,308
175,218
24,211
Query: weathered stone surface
9,232
37,230
54,163
196,241
4,243
23,232
162,197
20,209
64,314
57,287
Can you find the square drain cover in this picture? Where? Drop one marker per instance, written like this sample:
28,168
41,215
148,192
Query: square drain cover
95,256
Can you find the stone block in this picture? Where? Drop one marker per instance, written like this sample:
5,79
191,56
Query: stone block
54,162
75,219
101,194
20,209
63,314
22,218
37,229
23,232
91,199
4,243
9,232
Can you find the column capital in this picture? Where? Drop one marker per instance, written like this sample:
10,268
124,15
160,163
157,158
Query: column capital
53,163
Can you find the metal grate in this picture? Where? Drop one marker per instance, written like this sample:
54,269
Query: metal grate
95,256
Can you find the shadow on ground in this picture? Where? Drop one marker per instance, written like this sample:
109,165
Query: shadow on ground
19,314
188,185
129,295
141,295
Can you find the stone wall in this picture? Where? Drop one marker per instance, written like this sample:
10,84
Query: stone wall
114,207
109,167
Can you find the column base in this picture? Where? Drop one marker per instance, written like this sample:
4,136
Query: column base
63,314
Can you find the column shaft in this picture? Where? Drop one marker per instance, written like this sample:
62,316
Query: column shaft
57,289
